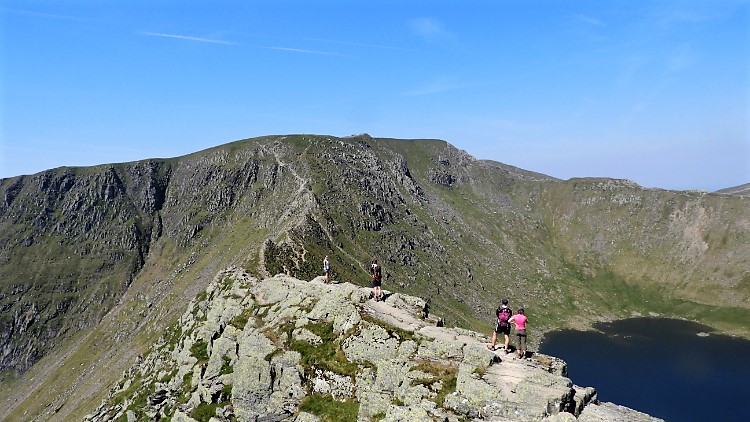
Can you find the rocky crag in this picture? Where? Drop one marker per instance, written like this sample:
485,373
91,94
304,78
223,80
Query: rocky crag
285,349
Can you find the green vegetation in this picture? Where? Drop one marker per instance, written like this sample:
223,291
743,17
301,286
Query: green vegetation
329,409
440,372
241,320
199,350
378,417
396,332
187,387
226,394
226,366
204,411
75,242
327,355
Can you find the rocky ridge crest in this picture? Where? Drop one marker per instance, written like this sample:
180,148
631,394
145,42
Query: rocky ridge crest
286,349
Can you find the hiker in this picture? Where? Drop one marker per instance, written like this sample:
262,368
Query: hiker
519,320
326,267
376,274
502,325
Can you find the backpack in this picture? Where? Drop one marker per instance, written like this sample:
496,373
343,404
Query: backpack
503,316
375,272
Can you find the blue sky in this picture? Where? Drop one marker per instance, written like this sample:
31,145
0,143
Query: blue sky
653,91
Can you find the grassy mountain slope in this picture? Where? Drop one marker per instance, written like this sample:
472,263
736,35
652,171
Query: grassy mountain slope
96,262
737,190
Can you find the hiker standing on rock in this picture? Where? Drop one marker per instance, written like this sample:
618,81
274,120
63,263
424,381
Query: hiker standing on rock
326,267
376,274
519,320
502,325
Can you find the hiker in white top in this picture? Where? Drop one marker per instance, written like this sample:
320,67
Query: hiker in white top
326,267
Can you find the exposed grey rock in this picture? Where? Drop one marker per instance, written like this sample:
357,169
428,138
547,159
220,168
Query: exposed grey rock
287,390
407,413
157,397
252,376
561,417
327,382
582,397
406,365
373,344
306,417
303,334
610,412
223,351
181,417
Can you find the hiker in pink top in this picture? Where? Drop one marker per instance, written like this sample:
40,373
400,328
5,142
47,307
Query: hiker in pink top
519,320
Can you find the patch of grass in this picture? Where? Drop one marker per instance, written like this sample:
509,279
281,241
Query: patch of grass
378,417
225,395
393,331
201,296
172,336
275,352
226,283
139,402
168,376
187,387
260,312
444,373
120,397
479,370
204,412
449,387
327,355
240,321
328,409
226,366
199,350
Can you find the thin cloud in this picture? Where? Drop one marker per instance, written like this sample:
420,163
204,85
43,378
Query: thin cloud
431,89
357,44
304,51
188,38
681,59
589,20
39,14
429,28
441,85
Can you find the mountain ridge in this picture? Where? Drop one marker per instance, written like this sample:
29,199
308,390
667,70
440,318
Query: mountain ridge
107,256
286,349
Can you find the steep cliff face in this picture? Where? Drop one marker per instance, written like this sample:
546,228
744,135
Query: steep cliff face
72,241
286,349
96,262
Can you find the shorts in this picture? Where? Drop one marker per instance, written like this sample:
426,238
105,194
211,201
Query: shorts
504,330
376,282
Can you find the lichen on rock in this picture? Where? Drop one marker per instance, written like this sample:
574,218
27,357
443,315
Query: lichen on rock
327,345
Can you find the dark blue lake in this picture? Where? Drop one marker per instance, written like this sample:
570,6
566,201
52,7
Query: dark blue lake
662,367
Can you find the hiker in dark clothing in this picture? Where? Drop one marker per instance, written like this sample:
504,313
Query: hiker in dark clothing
502,325
376,274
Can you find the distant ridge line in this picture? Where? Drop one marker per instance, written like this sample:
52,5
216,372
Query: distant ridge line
736,190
